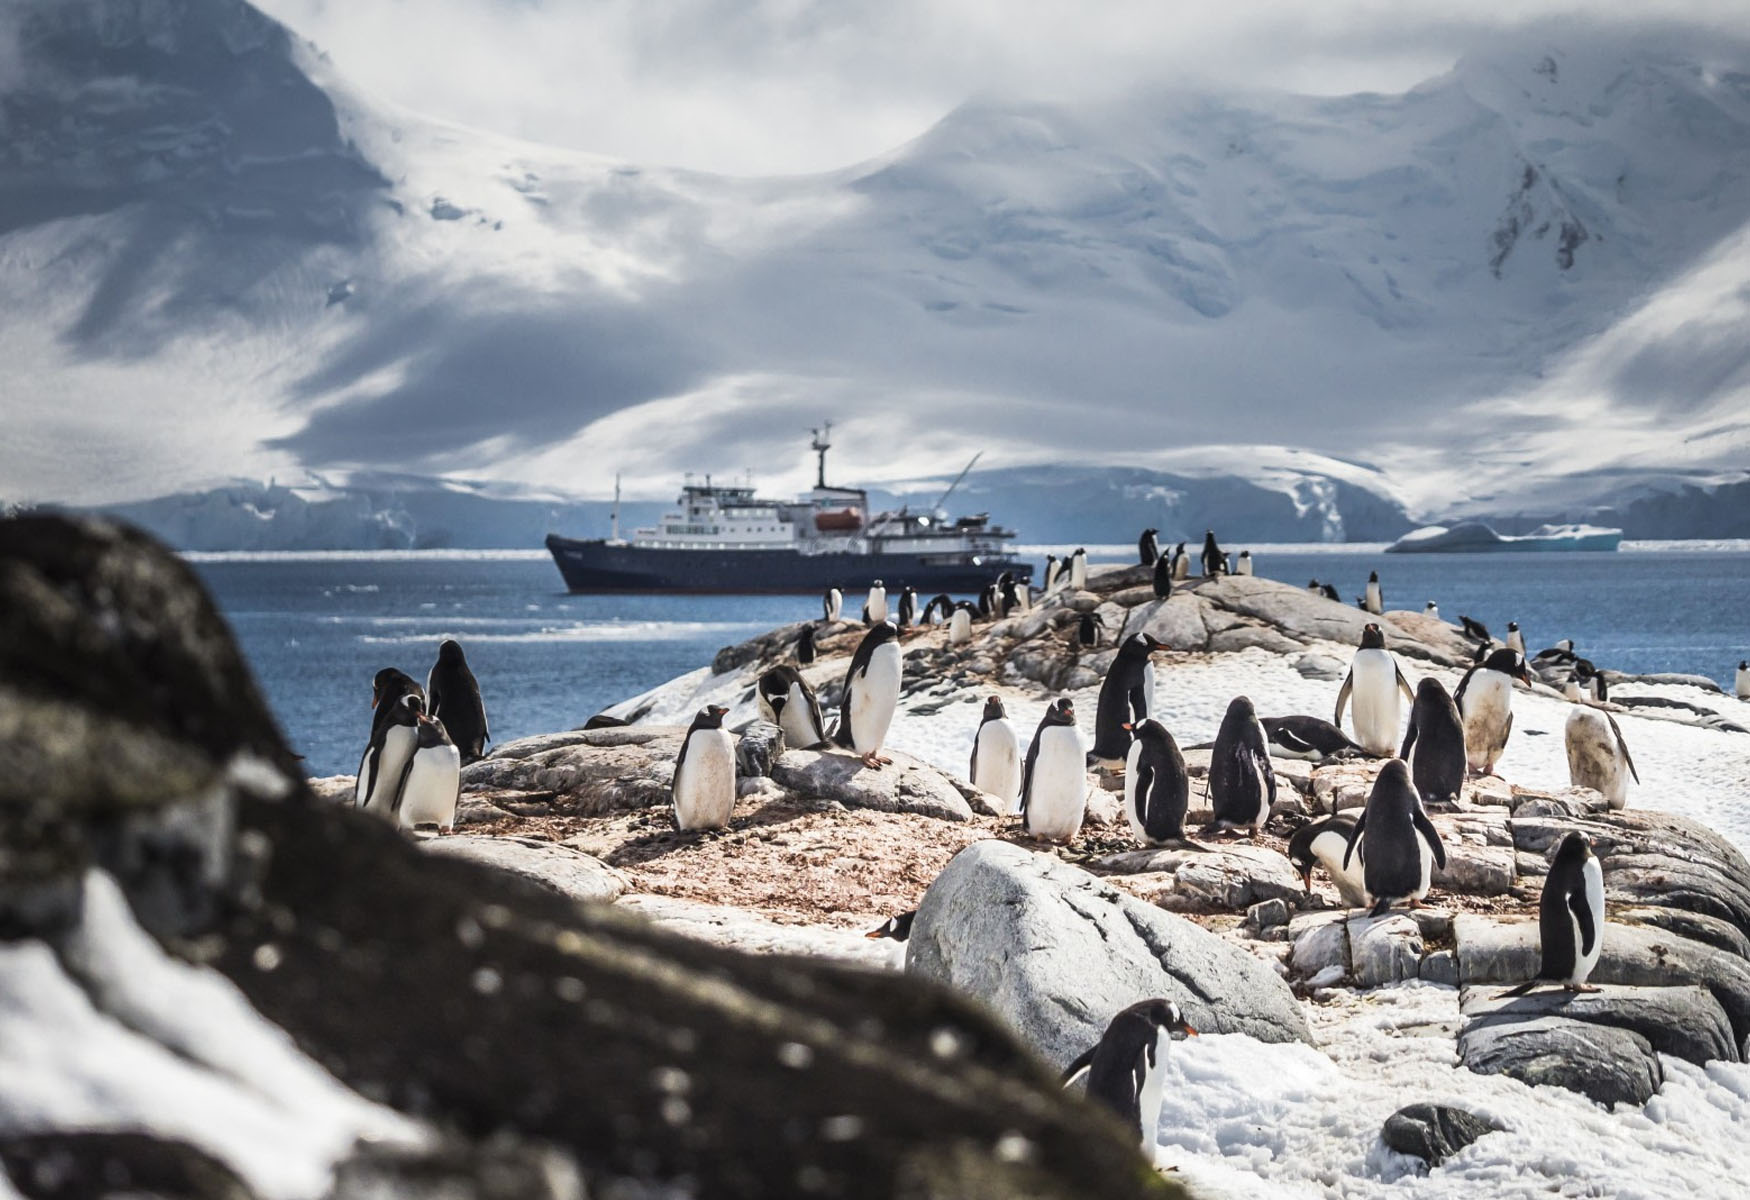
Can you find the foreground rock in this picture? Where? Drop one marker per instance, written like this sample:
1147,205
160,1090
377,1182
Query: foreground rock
1057,953
559,869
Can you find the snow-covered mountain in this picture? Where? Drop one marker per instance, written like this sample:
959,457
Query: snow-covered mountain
1520,286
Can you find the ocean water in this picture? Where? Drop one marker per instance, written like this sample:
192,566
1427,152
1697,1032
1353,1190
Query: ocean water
316,628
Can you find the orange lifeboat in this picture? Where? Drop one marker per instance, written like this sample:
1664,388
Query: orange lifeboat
843,520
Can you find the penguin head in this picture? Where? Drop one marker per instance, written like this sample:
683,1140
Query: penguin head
1373,577
1509,662
879,633
1431,608
409,709
1061,712
993,709
1372,637
1245,554
390,684
1394,783
1430,691
432,733
1164,1014
877,583
1142,643
450,651
1147,729
1513,627
898,928
1574,849
1300,851
710,717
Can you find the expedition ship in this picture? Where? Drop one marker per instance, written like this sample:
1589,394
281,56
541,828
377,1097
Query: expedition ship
725,539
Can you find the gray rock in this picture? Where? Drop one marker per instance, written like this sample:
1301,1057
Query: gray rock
1057,953
1105,808
1384,950
1434,1132
1476,870
1177,621
1319,946
1685,1022
1231,877
756,748
558,868
906,785
1267,914
1697,927
584,772
1252,637
1301,615
1566,802
1603,1063
1440,967
1321,666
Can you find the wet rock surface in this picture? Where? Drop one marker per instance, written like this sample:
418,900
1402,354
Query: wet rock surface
1434,1132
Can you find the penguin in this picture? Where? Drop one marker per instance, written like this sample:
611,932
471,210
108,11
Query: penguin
1571,691
1431,609
875,609
1242,784
1597,689
1561,652
1078,570
1598,758
1127,1067
1214,562
1054,781
1329,591
1570,918
1434,744
1088,629
1227,563
805,651
1311,738
1515,639
938,609
1156,788
1244,565
1148,547
1125,696
704,773
908,607
871,694
1163,577
1313,586
387,687
996,757
1399,844
987,601
1053,569
896,930
832,602
1374,601
431,783
392,744
1181,564
1009,599
453,697
960,624
788,702
1741,685
1485,701
1375,680
1475,630
1322,843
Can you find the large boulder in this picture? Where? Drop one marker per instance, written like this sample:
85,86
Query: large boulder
1603,1063
1057,953
1232,878
559,869
905,785
1685,1022
587,772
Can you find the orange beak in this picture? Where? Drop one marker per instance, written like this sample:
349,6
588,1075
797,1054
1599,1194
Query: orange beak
1189,1032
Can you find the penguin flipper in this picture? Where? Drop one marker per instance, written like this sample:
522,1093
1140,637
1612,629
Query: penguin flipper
1343,697
1138,700
1082,1062
1145,776
1623,746
1463,684
1404,684
1027,775
1583,917
1409,738
401,783
1521,990
1289,740
1354,838
1431,835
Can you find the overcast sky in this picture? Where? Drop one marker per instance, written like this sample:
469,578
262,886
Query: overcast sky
779,86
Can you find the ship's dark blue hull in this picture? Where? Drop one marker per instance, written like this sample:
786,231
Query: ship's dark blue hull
596,566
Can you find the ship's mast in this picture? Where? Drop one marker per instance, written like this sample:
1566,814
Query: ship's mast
616,529
963,470
821,444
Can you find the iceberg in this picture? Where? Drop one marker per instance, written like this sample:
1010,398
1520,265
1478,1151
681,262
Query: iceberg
1474,537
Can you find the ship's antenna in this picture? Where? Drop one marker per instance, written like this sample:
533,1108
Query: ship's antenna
958,478
616,530
821,444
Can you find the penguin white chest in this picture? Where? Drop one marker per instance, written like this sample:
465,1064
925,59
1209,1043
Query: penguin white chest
959,627
1584,959
997,763
1154,1085
434,782
1488,717
704,783
1078,573
797,720
1741,685
1328,848
874,694
1375,602
1058,799
1595,756
877,605
398,746
1375,695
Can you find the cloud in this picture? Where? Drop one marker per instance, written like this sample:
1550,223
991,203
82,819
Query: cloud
788,86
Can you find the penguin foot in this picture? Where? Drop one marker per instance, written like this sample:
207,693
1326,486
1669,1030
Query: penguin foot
1581,987
875,761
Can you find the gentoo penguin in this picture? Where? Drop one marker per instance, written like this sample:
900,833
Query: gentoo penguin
896,930
1214,561
1163,577
392,744
1561,652
1515,639
1242,784
788,702
1598,758
431,783
1570,918
1148,547
1009,598
1088,629
1127,1067
1181,564
1053,569
1374,600
987,600
1054,781
1244,565
1399,844
960,624
1125,695
871,694
1434,744
1431,609
452,695
875,608
1375,680
1311,738
1475,630
1227,563
1597,689
1329,591
908,607
1078,570
1741,686
1485,701
940,605
1156,788
1323,842
805,652
387,688
1313,586
832,602
996,757
704,773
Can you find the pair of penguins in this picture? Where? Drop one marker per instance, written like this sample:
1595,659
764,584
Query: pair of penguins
410,772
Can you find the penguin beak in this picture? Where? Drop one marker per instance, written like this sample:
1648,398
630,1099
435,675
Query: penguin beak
1187,1030
1127,727
1306,878
873,935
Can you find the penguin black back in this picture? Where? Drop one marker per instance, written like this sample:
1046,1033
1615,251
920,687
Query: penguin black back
1124,698
1124,1065
1393,824
1242,784
387,688
1565,905
1163,577
1214,561
453,697
805,651
1088,629
1436,738
1148,548
1157,782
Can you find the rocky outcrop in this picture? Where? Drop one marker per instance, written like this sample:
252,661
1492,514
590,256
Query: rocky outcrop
1434,1132
585,772
1603,1063
1685,1022
1056,953
1224,878
906,785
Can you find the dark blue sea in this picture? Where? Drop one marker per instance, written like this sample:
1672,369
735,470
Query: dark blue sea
316,628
